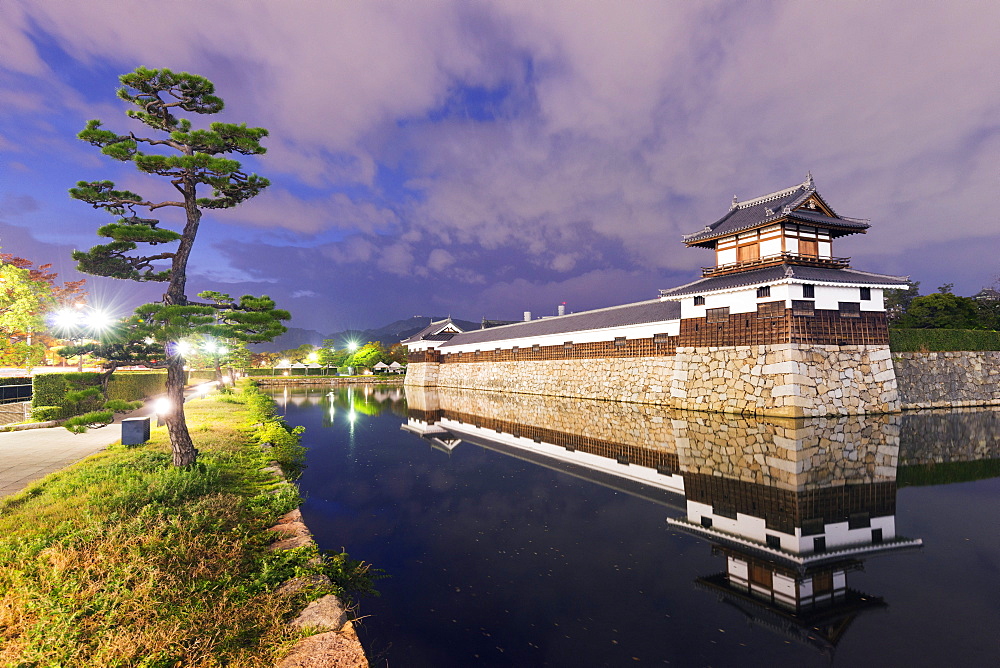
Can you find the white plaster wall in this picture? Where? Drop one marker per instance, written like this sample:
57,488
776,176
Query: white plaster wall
770,247
643,331
744,299
828,297
727,256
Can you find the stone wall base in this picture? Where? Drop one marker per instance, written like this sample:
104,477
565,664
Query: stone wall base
948,379
784,380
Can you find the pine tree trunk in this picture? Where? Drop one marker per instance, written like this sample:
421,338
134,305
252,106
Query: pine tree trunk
184,451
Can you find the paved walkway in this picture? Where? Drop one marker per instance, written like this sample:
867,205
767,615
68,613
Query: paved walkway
26,456
30,454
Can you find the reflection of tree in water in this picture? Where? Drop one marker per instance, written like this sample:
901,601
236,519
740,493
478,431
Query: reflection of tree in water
367,399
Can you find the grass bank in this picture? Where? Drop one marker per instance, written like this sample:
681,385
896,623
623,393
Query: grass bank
123,560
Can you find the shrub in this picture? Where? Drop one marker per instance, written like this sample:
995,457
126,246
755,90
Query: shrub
81,423
942,340
46,413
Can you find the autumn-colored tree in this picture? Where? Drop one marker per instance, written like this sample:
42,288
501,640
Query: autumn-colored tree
24,301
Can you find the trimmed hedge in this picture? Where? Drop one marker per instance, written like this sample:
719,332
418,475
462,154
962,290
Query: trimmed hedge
942,340
51,389
16,380
135,385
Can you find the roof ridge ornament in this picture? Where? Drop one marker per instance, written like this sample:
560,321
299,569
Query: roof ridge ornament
809,183
736,202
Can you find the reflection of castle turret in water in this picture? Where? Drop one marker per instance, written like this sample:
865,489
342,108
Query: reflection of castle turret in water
792,505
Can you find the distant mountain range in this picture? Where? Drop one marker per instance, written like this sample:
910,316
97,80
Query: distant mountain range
388,335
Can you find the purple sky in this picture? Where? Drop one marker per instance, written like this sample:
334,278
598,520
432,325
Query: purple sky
487,158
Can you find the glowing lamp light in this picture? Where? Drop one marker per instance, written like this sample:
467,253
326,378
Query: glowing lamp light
162,406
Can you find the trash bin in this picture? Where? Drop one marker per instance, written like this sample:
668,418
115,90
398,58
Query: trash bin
135,430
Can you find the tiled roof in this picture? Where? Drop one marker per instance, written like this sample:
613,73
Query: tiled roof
616,316
771,208
780,272
427,333
817,218
444,336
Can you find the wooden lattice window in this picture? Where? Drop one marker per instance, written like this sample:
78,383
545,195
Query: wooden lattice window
699,300
771,309
661,338
850,309
717,314
805,307
620,342
763,291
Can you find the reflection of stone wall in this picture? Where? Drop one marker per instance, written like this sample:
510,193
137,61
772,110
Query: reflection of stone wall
634,430
790,454
950,379
786,380
949,436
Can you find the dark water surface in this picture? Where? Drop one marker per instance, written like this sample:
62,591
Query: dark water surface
526,531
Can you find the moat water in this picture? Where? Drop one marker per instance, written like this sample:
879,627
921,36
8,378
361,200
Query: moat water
530,531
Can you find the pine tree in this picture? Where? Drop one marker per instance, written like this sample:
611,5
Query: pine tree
193,163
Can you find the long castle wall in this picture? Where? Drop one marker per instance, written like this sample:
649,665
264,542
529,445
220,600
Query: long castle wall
795,367
788,380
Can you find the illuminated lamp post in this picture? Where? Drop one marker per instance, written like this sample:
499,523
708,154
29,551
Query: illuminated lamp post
351,346
79,322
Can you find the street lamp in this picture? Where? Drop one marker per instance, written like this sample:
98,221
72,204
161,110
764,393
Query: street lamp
82,322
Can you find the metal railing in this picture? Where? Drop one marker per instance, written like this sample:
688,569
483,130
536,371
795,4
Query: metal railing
10,394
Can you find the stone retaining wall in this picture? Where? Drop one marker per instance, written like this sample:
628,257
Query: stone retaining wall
789,380
948,380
